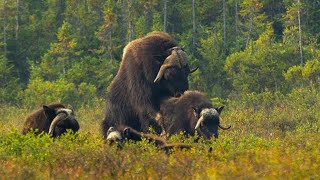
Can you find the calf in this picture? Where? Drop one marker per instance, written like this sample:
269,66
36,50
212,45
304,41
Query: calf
190,113
123,133
54,119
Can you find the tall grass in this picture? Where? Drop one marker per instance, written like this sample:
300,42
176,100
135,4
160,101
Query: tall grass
272,136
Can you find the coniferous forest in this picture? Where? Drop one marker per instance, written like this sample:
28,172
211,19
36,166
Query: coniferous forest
258,58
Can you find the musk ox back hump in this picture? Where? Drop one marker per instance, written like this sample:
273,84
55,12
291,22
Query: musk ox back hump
146,54
40,119
134,96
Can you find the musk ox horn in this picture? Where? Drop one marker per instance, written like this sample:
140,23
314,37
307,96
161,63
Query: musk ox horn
193,70
224,128
200,121
221,127
205,112
59,117
161,72
177,58
62,114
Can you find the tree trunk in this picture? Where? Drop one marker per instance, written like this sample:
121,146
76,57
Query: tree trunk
110,46
149,18
193,26
5,27
129,20
17,20
236,18
224,28
300,33
250,30
165,16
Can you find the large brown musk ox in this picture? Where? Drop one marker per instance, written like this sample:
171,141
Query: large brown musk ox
191,112
152,68
122,133
54,119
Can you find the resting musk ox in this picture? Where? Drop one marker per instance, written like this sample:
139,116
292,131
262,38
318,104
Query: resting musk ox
122,133
54,119
152,68
191,112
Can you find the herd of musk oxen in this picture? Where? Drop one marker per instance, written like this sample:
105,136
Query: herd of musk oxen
150,90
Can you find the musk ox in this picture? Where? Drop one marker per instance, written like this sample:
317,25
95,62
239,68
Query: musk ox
191,112
54,119
122,133
152,68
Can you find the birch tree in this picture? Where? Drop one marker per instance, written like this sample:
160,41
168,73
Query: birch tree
300,32
193,26
165,14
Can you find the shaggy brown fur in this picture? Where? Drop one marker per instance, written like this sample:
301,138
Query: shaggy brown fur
42,119
134,98
181,114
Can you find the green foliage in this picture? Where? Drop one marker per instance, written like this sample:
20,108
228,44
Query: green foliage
301,76
259,67
267,129
311,71
41,92
212,78
237,153
9,85
69,52
253,20
82,42
94,71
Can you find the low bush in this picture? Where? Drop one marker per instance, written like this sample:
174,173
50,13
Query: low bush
272,136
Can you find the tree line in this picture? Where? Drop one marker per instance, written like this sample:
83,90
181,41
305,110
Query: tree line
69,51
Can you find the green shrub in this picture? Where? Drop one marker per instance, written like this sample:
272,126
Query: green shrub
41,92
9,84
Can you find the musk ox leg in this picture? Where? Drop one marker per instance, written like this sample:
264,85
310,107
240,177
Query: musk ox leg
105,128
168,147
148,123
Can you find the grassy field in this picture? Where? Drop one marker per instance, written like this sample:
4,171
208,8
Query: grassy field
271,137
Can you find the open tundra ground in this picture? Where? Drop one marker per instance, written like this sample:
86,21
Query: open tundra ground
271,137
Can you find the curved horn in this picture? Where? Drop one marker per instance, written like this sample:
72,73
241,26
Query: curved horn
200,120
194,69
161,72
59,117
224,128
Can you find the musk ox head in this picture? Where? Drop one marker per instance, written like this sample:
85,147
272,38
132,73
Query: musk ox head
122,133
64,119
173,73
114,135
208,122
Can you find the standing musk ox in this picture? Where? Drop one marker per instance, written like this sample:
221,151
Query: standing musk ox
54,119
153,68
191,112
122,133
